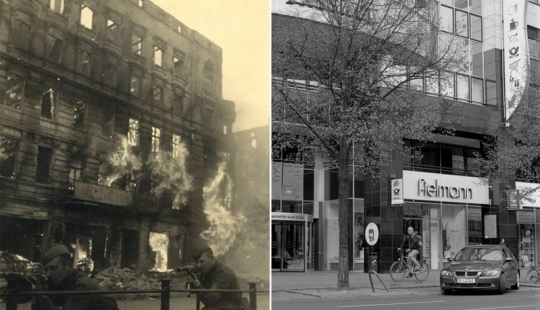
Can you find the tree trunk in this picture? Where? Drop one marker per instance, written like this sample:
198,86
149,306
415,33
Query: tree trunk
343,177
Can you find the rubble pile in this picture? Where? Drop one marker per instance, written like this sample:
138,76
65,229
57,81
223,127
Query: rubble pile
114,278
16,263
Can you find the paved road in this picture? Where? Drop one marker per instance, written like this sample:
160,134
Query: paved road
420,299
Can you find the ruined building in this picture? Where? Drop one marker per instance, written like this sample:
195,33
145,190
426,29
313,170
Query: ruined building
111,121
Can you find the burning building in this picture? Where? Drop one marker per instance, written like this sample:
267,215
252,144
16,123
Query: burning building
111,122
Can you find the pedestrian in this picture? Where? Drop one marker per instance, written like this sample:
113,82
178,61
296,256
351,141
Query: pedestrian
62,277
211,274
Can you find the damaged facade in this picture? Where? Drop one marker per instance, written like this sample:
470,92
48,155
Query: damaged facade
95,95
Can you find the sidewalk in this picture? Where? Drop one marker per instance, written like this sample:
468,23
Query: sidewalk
323,284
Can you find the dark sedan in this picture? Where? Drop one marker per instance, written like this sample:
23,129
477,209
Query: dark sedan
481,267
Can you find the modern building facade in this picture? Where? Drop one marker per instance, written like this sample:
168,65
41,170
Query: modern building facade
439,197
99,100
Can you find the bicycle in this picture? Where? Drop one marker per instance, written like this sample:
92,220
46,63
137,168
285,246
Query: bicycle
533,276
401,267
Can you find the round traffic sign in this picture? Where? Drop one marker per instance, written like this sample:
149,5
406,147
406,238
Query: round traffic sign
372,233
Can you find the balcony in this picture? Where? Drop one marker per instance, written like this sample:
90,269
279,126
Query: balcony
109,197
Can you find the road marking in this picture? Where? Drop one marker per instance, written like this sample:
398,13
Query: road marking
393,304
509,307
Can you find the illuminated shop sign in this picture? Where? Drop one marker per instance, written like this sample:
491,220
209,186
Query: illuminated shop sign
444,188
516,53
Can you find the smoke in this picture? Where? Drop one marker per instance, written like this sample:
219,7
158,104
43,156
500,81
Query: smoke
170,174
224,225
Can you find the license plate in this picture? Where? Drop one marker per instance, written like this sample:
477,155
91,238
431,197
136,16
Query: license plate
468,281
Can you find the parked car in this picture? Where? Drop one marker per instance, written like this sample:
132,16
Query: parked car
481,267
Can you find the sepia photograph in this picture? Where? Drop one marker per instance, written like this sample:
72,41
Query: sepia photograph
134,154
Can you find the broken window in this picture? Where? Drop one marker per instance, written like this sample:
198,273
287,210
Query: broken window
156,137
136,44
14,91
8,155
178,106
110,71
208,73
79,111
87,17
75,173
83,62
47,104
157,97
107,120
135,86
20,34
113,31
138,2
43,168
176,140
55,47
158,54
56,6
158,256
133,133
178,62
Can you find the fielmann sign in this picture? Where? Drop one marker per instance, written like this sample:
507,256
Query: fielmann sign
444,188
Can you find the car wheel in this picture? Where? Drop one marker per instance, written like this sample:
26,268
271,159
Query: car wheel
446,292
516,285
502,284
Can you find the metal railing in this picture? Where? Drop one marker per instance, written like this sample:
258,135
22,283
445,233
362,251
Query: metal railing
12,295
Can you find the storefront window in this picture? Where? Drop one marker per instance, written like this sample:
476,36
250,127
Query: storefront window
475,225
454,231
526,245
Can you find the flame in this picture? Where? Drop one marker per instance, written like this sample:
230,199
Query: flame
159,244
224,225
122,162
170,173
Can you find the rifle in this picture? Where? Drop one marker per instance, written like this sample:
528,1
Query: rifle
191,270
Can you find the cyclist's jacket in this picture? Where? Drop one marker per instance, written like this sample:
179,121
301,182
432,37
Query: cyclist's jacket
413,242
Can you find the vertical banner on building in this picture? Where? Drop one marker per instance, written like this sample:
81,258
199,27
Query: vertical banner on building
293,182
516,54
276,180
397,191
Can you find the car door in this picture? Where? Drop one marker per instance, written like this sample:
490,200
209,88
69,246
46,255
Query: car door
510,268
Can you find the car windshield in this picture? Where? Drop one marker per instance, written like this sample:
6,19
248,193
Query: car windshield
478,254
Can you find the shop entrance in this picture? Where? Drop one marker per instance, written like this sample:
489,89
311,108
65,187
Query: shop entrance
526,245
288,246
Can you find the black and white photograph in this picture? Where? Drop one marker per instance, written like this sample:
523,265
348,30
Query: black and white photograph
134,154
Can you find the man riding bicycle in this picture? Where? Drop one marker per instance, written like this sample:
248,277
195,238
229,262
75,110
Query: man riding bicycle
412,243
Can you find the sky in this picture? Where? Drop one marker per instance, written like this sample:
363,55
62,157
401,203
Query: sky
242,29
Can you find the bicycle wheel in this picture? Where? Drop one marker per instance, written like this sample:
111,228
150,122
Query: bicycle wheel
533,276
422,275
397,271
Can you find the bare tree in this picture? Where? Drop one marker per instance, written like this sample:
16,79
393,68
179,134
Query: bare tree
362,74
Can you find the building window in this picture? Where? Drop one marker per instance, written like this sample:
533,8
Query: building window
156,137
176,150
107,120
56,6
135,86
158,54
14,91
43,168
8,155
83,62
157,97
133,133
75,173
462,28
87,17
109,72
55,47
138,2
113,31
20,35
47,104
447,19
79,111
447,84
136,44
178,63
463,87
179,29
476,27
477,90
491,93
178,107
